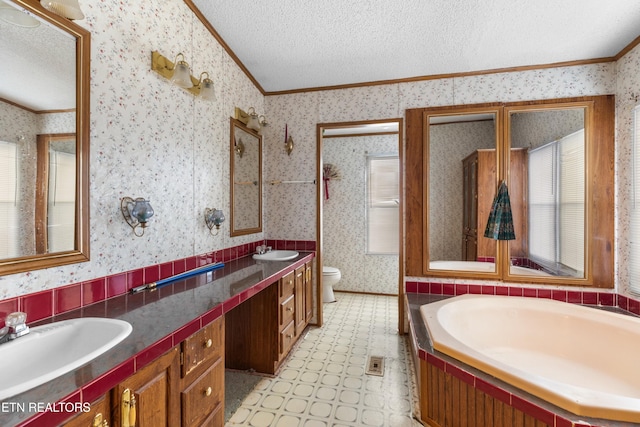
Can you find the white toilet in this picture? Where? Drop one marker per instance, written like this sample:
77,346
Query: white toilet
330,276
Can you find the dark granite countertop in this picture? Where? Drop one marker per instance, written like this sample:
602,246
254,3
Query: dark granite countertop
160,320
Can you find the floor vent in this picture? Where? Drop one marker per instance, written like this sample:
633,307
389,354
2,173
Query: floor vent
375,366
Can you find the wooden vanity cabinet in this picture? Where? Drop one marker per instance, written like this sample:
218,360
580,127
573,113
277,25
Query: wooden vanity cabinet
155,388
98,416
184,387
261,331
202,377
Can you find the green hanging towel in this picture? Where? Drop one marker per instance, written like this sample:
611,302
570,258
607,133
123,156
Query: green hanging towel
500,223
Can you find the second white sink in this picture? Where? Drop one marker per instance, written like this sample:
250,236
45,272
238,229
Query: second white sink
277,255
49,351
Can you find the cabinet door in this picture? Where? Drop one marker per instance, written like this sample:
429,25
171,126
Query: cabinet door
149,398
204,396
308,292
98,416
299,301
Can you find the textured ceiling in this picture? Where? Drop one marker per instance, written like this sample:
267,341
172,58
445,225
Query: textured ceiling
290,44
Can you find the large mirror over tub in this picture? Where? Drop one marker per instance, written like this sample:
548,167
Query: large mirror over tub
246,180
44,139
462,175
555,160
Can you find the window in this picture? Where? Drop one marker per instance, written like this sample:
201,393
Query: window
62,196
8,206
634,258
557,205
383,200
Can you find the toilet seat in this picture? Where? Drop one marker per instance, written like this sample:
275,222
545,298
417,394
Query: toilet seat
330,271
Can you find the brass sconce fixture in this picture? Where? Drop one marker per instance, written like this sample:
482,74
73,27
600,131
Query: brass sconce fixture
179,73
288,141
213,218
239,147
251,119
136,212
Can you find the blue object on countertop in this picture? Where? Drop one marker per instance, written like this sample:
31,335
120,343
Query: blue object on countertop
195,271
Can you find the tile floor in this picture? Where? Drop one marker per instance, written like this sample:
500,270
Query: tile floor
323,383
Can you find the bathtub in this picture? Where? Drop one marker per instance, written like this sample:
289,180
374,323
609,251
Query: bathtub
483,267
581,359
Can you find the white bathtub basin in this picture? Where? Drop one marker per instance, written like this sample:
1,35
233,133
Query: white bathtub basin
277,255
578,358
52,350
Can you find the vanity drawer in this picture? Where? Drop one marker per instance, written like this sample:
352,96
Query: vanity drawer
205,345
204,396
287,309
287,338
287,285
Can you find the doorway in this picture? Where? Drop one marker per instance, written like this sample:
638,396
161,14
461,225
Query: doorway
349,155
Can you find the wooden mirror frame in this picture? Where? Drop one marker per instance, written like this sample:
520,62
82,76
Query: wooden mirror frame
232,153
83,55
600,138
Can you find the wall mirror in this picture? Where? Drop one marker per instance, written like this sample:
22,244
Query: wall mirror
556,158
461,169
246,180
44,139
549,175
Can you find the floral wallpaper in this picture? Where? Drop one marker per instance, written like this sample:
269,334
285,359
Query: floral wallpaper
291,211
627,89
344,216
151,139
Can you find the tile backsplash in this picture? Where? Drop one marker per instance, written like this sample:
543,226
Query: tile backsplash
43,304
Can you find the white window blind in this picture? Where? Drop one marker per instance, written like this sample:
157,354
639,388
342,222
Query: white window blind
556,203
634,256
383,234
8,198
62,196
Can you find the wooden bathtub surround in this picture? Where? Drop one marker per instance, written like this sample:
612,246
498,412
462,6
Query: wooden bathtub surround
447,401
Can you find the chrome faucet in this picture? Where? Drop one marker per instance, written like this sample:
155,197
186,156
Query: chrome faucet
17,325
263,249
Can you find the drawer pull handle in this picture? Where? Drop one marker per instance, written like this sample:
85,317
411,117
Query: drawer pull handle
99,422
290,336
208,343
208,391
289,309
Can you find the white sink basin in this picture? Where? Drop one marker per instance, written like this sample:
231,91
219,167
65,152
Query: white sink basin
276,255
49,351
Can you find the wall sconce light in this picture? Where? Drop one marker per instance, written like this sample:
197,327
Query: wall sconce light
11,15
179,73
213,218
251,119
288,141
69,9
239,147
136,212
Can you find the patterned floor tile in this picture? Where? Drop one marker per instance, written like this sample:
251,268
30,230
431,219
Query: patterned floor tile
323,383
